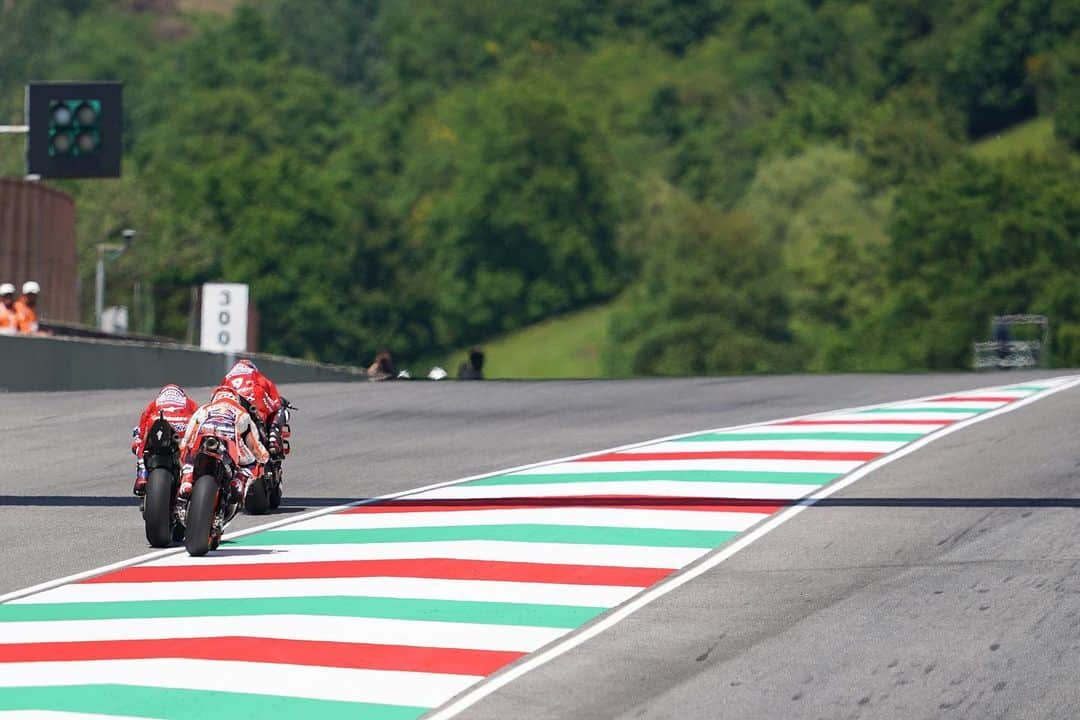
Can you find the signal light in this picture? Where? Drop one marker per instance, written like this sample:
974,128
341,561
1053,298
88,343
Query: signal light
75,129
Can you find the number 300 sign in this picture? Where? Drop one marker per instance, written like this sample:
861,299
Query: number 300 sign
224,317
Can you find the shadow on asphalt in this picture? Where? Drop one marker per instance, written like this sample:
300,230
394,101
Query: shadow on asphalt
294,505
297,505
932,502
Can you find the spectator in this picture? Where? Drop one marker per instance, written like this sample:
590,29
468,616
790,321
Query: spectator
1002,337
383,367
26,316
473,369
9,322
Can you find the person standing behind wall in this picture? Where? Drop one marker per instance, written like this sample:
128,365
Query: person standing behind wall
9,322
26,315
473,369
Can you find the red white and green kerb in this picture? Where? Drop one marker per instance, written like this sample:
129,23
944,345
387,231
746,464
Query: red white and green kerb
389,609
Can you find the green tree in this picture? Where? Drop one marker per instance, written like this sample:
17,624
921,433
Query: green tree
828,232
514,208
973,240
711,298
986,71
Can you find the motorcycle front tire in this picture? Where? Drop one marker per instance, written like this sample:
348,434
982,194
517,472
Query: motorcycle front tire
157,514
200,516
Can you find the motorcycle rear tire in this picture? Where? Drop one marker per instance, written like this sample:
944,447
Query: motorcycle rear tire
200,516
275,496
158,514
257,502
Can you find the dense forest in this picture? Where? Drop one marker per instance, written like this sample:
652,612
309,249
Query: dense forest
766,185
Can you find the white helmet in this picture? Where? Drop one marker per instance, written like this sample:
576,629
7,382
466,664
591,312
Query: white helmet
31,288
7,289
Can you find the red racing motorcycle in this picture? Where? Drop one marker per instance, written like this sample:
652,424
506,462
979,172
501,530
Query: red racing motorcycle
215,499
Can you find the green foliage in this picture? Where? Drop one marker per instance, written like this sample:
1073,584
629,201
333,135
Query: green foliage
711,298
987,69
974,240
674,25
566,346
828,233
423,174
335,37
513,207
905,136
1033,138
1067,94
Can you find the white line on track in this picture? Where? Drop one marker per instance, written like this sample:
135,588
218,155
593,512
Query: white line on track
489,550
314,628
614,517
390,587
882,446
391,687
626,466
493,682
60,715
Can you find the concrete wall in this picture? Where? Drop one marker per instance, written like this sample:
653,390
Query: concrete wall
59,363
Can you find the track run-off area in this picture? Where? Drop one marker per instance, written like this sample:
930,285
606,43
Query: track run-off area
718,569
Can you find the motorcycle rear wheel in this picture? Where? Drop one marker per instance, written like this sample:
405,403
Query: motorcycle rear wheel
200,516
157,514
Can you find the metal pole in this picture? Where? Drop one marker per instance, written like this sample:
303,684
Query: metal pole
99,286
14,129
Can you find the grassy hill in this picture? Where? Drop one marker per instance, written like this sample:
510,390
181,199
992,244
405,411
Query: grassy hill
1035,137
568,346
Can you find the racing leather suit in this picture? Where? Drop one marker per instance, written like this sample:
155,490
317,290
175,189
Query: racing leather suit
254,387
177,408
227,419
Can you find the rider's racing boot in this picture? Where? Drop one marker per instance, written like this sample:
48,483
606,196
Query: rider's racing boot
186,482
140,478
140,483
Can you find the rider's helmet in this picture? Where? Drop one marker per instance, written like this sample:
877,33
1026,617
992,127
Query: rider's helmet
242,366
172,395
222,392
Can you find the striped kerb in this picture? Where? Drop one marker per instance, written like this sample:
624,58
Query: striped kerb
389,608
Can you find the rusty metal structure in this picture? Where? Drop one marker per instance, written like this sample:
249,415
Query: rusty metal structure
37,242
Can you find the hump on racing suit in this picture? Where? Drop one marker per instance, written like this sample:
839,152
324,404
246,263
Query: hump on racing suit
225,418
171,403
257,389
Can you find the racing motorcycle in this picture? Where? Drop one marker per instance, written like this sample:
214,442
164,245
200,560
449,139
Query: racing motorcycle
214,501
266,490
161,458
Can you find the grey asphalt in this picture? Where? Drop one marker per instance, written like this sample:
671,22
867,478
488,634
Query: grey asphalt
942,585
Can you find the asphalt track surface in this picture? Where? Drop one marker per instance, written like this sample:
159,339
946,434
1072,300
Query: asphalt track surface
942,585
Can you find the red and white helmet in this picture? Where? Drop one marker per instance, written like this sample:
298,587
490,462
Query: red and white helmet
172,395
223,392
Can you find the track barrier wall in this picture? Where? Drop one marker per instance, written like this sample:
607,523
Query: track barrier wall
33,363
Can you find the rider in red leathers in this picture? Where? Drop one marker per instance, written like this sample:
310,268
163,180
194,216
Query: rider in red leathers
177,408
226,418
265,401
254,387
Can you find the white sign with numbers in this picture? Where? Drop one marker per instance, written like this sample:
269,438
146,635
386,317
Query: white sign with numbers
224,317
